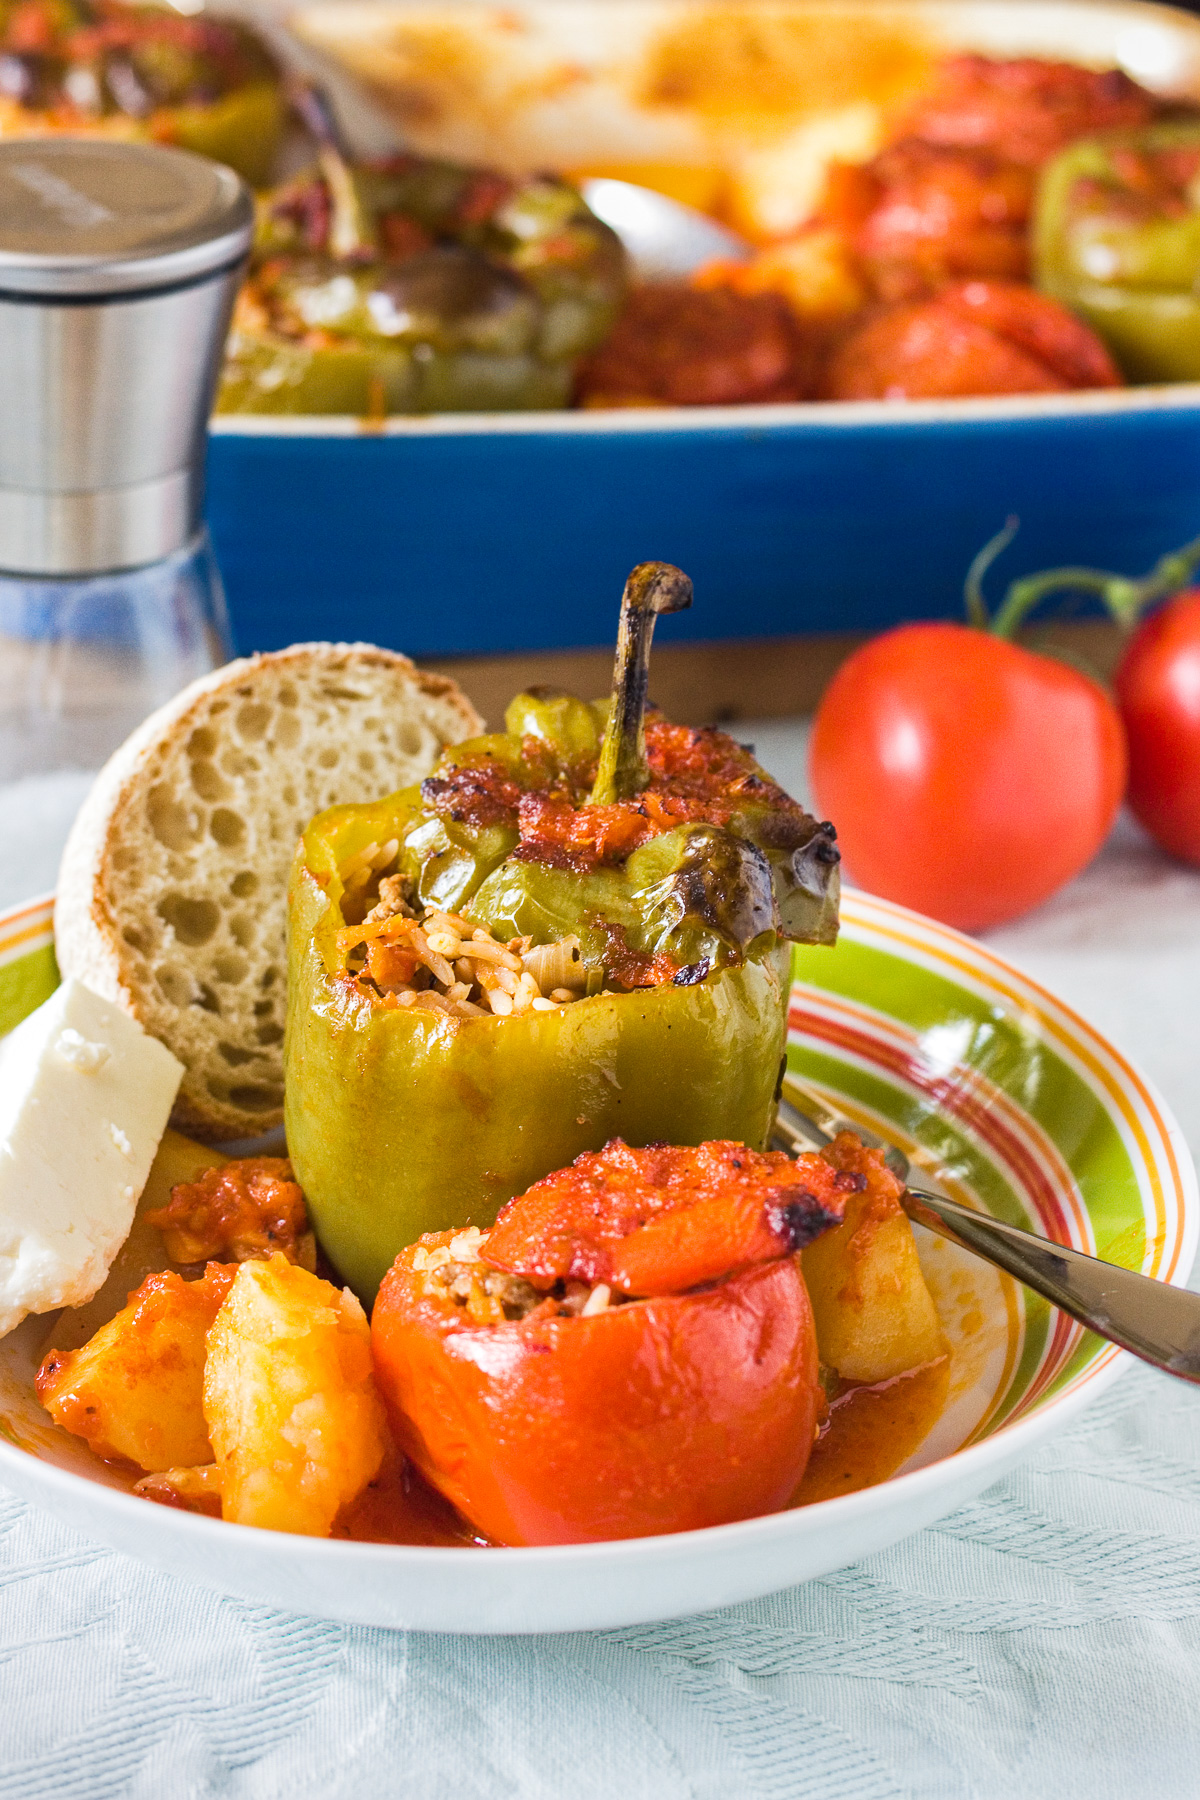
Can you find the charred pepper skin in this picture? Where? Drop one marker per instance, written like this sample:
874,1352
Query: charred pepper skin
1117,239
401,1121
466,292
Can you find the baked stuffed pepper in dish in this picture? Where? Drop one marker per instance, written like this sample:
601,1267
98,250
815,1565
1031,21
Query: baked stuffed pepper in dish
415,286
1117,238
103,68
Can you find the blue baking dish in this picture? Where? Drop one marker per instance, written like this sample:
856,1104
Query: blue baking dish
467,535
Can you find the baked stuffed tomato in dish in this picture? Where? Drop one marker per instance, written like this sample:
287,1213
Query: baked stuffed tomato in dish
629,1351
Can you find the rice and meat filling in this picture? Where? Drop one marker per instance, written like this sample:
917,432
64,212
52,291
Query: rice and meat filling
490,1296
440,961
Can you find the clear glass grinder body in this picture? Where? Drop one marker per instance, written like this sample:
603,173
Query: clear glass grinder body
118,268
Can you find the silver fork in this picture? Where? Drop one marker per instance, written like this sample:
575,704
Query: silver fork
1161,1324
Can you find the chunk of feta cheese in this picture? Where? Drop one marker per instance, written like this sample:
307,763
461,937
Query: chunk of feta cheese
85,1095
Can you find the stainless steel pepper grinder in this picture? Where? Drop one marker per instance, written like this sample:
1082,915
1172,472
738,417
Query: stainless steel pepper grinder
118,269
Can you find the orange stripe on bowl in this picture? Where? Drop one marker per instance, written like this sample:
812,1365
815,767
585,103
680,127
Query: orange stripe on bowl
864,910
983,1108
957,1103
27,935
41,929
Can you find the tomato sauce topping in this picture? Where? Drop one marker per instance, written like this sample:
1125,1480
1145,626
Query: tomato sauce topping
1027,108
697,775
625,967
664,1219
238,1212
305,204
1145,185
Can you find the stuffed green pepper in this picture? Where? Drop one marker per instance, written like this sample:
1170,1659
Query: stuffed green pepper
1117,239
415,286
105,68
573,930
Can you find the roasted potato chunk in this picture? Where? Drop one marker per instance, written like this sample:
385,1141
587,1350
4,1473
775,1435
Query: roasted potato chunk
135,1390
289,1395
874,1314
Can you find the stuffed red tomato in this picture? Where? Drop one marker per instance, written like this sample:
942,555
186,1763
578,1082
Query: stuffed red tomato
629,1351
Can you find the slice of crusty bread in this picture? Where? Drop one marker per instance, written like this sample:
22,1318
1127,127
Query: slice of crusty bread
172,891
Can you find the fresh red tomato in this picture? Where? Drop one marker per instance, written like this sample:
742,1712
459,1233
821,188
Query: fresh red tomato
967,777
1158,687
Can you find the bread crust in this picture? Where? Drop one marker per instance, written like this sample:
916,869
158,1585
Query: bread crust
99,906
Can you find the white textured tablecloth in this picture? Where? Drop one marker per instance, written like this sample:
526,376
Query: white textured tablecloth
1044,1641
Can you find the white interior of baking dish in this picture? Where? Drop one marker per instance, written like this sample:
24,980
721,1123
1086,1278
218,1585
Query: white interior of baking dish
565,83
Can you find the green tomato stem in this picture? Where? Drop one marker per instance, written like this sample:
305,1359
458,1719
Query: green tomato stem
1125,598
652,588
977,607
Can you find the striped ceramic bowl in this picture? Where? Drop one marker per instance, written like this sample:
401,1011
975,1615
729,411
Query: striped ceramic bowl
997,1091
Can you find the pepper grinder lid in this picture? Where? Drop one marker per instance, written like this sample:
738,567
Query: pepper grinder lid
119,264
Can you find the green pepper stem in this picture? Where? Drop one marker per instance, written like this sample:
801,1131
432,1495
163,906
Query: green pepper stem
351,233
1125,598
652,588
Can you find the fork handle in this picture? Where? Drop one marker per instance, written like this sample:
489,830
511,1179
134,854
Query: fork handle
1157,1322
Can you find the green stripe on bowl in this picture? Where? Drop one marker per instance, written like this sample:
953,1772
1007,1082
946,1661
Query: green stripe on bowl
24,984
1012,1051
28,971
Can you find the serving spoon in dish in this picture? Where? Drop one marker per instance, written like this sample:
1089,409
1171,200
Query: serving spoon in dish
663,238
1159,1323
